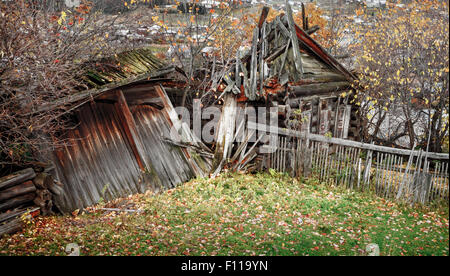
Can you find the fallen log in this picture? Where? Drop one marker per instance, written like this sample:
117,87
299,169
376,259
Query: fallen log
21,189
17,201
11,227
16,178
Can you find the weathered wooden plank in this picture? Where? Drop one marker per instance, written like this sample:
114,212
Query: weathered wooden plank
11,227
225,133
262,18
182,131
237,75
253,66
16,213
304,17
282,28
294,39
283,62
377,172
318,88
261,61
129,126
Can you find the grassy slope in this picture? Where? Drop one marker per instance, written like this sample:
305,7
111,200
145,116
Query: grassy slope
243,215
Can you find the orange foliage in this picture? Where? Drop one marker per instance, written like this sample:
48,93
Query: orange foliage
313,12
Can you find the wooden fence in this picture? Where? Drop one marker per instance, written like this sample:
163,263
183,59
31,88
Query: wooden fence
407,175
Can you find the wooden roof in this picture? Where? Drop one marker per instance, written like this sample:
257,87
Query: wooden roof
121,67
283,54
131,67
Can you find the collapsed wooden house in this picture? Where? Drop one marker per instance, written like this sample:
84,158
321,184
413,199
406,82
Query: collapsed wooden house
289,70
123,141
128,138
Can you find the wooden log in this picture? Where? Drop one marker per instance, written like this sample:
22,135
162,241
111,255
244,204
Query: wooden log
43,180
11,227
16,178
21,189
318,88
17,201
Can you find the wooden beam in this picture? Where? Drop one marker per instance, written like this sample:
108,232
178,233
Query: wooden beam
253,66
16,213
275,53
87,95
225,132
263,17
182,131
312,30
318,89
304,17
294,39
17,201
341,142
129,127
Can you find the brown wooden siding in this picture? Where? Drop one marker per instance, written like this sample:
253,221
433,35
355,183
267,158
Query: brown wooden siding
168,160
101,160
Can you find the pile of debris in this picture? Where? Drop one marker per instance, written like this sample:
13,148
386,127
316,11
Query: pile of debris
25,193
287,70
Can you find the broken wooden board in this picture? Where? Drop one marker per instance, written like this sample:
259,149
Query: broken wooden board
225,133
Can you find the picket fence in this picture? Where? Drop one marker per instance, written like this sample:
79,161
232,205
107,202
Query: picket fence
405,175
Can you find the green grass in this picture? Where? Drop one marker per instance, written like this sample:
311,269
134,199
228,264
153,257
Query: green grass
236,214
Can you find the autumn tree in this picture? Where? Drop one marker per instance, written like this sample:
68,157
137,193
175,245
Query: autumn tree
42,52
402,57
201,43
